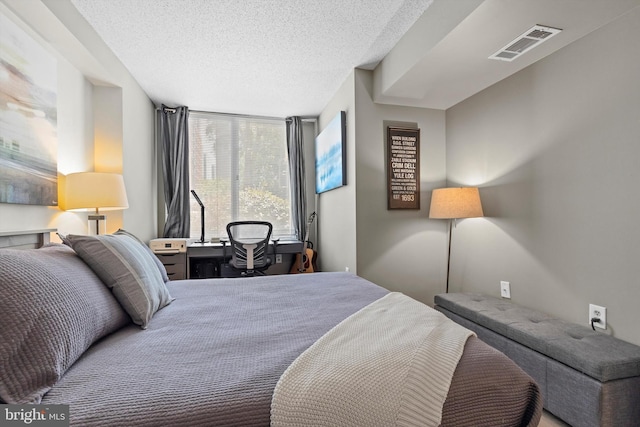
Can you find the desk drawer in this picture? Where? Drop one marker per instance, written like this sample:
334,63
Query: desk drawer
175,264
176,271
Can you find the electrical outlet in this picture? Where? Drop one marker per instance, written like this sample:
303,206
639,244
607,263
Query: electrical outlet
505,290
596,311
278,258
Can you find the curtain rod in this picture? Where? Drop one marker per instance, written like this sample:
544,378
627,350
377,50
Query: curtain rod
173,110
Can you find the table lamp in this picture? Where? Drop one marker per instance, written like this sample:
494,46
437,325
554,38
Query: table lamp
95,191
454,203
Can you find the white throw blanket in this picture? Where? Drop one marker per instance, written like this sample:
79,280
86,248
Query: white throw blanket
389,364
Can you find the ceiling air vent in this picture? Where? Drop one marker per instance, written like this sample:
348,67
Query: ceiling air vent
527,41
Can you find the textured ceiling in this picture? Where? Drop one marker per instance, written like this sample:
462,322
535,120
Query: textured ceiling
289,57
264,57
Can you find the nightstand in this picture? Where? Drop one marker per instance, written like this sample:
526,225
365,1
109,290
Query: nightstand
175,264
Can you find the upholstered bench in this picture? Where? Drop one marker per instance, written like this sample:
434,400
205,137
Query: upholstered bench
587,378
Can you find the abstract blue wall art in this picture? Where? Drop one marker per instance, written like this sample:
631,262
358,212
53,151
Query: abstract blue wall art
28,119
331,165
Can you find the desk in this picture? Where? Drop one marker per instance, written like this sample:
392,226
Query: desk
207,260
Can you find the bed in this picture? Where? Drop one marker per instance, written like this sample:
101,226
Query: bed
310,349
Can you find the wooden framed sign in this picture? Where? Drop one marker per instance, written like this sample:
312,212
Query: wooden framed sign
403,168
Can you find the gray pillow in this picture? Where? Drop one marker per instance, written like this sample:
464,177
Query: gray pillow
159,264
52,308
125,266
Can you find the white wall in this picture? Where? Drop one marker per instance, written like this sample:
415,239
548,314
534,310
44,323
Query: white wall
75,147
139,168
555,149
137,116
95,91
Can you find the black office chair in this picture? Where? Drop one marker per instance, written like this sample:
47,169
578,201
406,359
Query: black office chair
249,243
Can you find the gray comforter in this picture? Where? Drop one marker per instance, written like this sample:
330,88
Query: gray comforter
214,356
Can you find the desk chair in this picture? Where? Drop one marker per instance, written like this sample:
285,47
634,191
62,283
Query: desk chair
249,242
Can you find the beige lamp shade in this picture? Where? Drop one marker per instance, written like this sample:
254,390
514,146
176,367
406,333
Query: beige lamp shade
450,203
95,190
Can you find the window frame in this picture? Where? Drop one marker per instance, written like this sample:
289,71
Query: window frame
235,166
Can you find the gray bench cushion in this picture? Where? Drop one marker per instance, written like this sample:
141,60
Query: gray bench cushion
595,354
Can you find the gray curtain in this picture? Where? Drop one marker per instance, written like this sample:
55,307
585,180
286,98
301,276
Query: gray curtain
296,171
174,139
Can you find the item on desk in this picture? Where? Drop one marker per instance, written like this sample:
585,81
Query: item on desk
201,216
306,260
168,245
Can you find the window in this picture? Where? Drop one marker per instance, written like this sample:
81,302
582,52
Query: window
239,169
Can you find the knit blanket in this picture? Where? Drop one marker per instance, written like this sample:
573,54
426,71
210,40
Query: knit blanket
389,364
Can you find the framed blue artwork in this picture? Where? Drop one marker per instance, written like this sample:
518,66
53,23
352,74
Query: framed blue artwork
28,119
331,147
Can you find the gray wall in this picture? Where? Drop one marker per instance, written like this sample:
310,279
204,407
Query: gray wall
555,150
400,249
336,209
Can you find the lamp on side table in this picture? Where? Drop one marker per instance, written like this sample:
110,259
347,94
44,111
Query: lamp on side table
86,191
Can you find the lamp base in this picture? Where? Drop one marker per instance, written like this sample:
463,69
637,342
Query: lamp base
97,224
